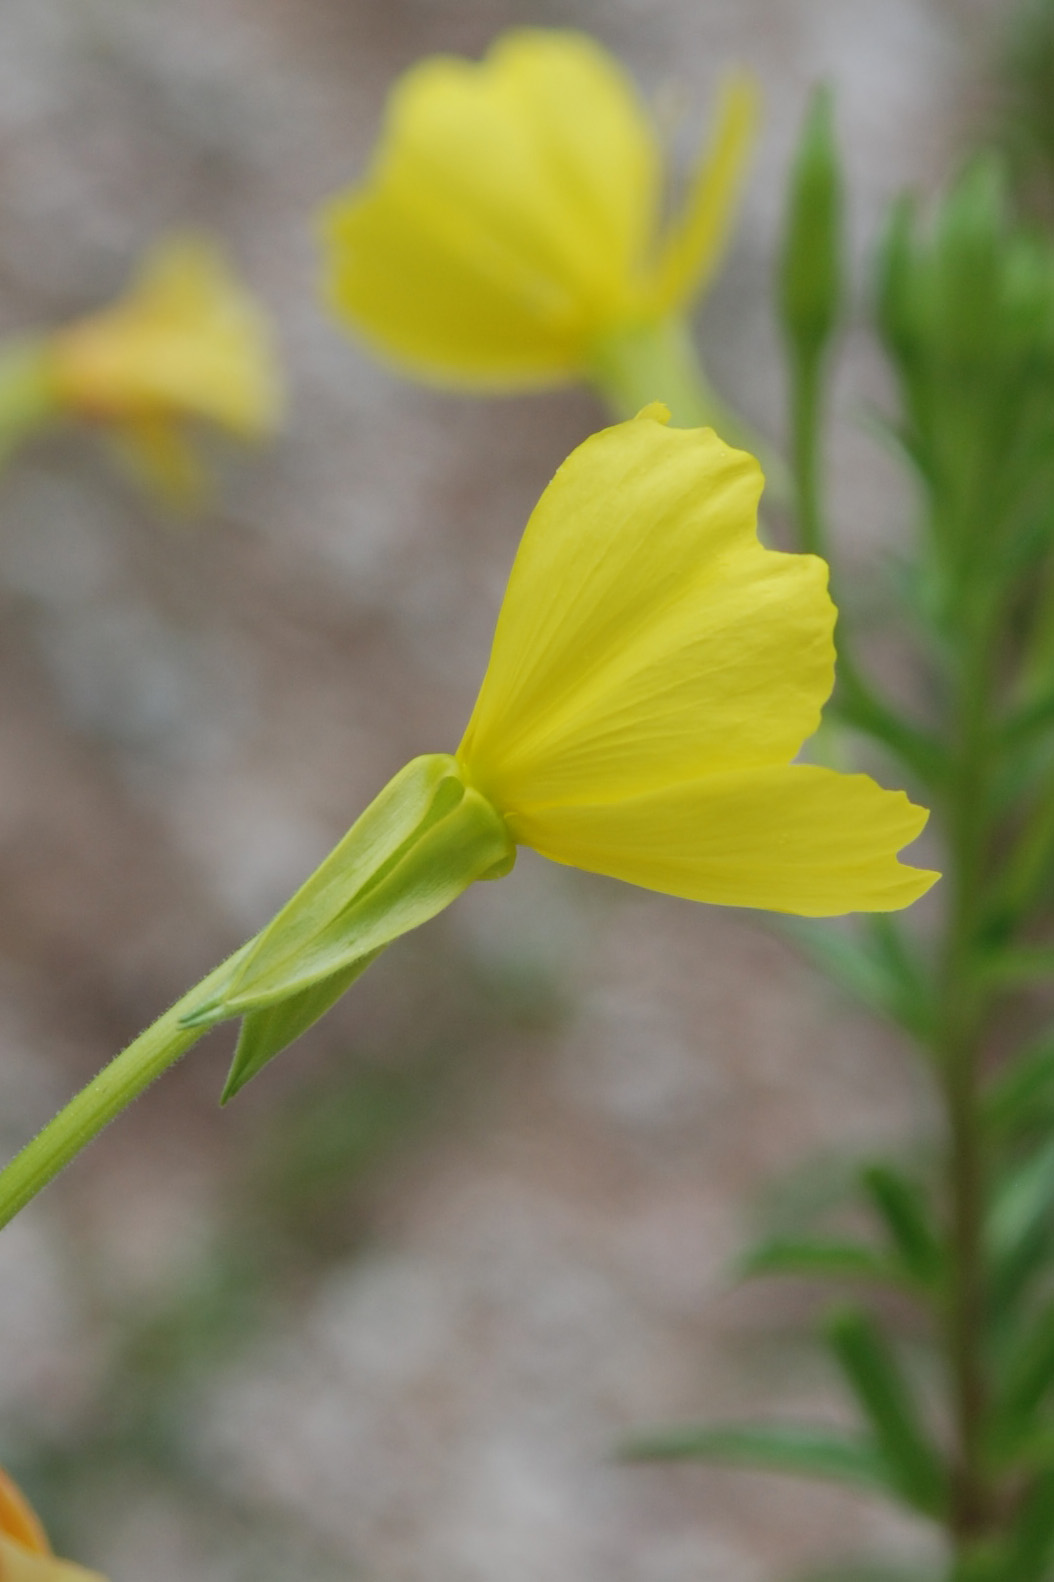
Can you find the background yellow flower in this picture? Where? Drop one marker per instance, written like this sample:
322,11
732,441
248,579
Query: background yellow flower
25,1554
188,342
513,218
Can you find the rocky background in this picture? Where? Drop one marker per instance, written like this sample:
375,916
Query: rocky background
388,1316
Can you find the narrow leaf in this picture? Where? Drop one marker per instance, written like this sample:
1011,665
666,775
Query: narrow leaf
1029,1375
1019,964
1032,1544
801,1450
1017,1091
901,1206
913,1465
1020,1227
818,1258
852,964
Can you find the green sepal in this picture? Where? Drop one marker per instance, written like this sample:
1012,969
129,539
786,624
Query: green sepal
913,1465
266,1033
799,1449
419,844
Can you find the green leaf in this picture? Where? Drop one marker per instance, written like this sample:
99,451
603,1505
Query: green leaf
862,971
1015,965
1031,1548
1035,715
1023,1088
913,1466
801,1450
1029,1376
902,1207
818,1257
900,952
1020,1227
266,1033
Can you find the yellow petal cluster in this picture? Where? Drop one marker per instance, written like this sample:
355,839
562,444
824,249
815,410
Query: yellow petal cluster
187,342
654,673
513,217
25,1554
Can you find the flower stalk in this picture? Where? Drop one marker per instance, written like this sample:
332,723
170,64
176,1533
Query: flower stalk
128,1075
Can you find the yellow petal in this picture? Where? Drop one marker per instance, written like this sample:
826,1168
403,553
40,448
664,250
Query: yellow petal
697,238
507,215
789,839
646,637
187,340
23,1565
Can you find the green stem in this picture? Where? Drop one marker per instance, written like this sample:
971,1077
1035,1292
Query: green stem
958,1047
806,430
658,362
97,1104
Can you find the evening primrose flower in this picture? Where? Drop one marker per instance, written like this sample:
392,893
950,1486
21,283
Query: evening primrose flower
654,674
511,233
186,344
25,1554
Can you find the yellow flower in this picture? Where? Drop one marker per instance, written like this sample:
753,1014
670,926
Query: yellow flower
655,671
25,1554
512,223
186,343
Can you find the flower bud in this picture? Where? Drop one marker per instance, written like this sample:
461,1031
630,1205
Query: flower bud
811,266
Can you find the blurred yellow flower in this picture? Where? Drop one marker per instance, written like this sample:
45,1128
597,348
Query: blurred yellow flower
25,1554
513,222
655,671
187,342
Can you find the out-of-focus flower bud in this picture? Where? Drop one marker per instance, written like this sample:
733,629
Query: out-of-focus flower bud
811,266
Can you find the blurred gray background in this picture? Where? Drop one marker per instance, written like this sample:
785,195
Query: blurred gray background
388,1315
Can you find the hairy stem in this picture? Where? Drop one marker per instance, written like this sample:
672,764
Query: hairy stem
806,429
105,1096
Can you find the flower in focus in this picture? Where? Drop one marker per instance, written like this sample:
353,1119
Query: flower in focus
187,343
512,226
655,670
25,1554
